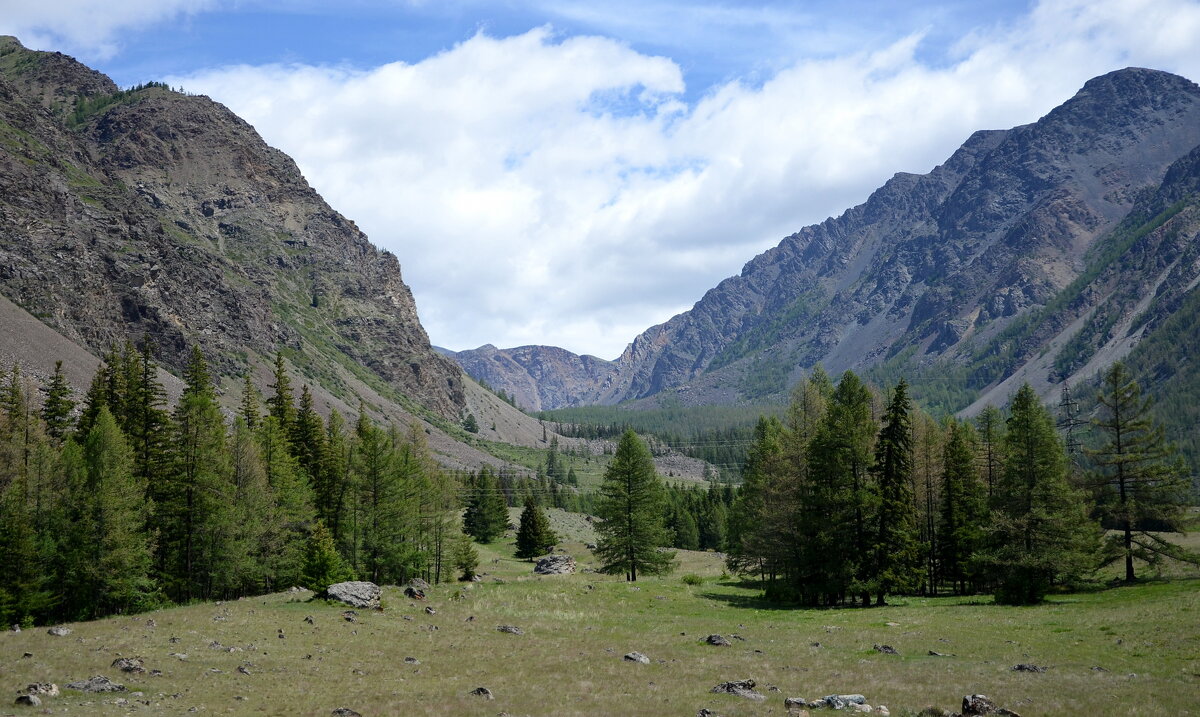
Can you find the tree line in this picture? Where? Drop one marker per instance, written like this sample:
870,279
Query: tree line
126,505
854,496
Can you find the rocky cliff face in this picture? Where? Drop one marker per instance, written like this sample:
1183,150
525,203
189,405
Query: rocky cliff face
150,212
932,270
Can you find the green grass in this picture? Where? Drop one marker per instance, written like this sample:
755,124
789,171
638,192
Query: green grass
568,662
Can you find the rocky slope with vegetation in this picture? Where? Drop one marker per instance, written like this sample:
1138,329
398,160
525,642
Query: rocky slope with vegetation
1039,253
149,212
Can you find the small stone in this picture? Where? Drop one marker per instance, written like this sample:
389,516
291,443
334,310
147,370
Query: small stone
886,649
1026,667
740,688
483,692
27,655
350,616
242,669
636,657
510,629
344,712
794,702
173,640
151,623
717,640
892,624
934,653
309,620
411,661
16,627
129,664
59,631
29,701
429,610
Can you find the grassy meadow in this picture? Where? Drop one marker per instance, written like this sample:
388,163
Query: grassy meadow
576,628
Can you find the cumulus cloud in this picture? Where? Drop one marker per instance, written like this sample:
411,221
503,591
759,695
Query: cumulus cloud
562,190
86,27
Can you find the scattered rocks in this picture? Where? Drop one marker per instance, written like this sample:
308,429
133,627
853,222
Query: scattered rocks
483,692
344,712
717,640
740,688
636,657
28,701
886,649
510,629
414,594
1026,667
97,684
59,631
555,565
355,593
133,665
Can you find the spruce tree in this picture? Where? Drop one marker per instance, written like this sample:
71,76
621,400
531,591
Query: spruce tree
630,504
249,409
1040,533
534,536
282,404
465,557
58,406
291,505
963,512
307,434
486,517
897,560
323,566
1140,476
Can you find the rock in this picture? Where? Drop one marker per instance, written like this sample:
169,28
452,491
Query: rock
636,657
16,627
429,610
59,631
355,593
717,640
839,702
555,565
49,689
309,620
1026,667
344,712
133,665
28,701
411,661
483,692
976,705
705,712
151,623
97,684
510,629
414,594
740,688
795,702
934,653
934,712
886,649
350,616
417,584
590,546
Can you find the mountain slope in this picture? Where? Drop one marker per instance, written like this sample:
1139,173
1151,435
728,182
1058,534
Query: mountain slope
930,270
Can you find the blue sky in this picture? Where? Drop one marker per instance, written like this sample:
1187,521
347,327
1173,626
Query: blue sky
573,172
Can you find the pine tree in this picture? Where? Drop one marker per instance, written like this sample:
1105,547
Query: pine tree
282,404
897,560
1140,476
57,406
323,566
534,536
486,517
630,504
1040,533
963,512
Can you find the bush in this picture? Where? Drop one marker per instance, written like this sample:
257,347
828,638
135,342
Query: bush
692,579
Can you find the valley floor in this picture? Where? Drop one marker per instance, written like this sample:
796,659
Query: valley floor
1129,651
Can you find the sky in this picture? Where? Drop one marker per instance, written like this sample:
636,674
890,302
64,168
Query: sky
571,173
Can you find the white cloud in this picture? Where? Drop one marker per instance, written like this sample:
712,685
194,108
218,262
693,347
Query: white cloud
89,28
540,189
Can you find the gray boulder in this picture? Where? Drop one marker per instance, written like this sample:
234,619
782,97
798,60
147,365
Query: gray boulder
49,689
356,593
637,657
28,701
97,684
417,584
555,565
59,631
740,688
717,640
839,702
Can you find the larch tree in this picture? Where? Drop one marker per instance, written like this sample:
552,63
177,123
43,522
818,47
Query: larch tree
631,506
962,512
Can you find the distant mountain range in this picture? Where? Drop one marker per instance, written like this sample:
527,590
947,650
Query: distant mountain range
1039,253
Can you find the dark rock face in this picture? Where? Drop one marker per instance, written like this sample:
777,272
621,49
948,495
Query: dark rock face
166,215
930,268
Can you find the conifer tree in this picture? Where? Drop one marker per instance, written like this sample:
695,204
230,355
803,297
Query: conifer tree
1140,476
962,513
897,560
534,536
631,503
683,527
292,505
282,404
331,492
307,434
249,409
989,425
323,566
381,505
252,549
57,406
95,398
465,557
487,512
1040,533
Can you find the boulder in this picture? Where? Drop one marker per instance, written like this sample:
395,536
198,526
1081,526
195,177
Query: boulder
839,702
555,565
791,703
28,701
49,689
129,664
59,631
740,688
355,593
717,640
417,584
96,684
637,657
977,705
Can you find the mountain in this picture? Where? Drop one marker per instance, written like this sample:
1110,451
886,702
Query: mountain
151,213
1022,255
